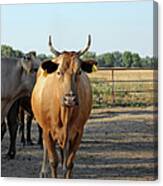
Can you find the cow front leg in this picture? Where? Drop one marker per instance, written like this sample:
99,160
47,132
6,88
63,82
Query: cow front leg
52,154
74,145
69,168
43,172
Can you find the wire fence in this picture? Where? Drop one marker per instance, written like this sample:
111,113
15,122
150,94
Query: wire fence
138,84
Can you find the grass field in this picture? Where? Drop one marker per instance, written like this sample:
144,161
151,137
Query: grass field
128,93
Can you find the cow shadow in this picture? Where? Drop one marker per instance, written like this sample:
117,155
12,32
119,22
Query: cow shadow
112,114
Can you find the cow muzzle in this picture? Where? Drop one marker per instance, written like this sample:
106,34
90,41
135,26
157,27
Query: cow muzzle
70,100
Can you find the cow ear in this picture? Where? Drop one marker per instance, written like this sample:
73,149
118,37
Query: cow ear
32,54
89,66
49,66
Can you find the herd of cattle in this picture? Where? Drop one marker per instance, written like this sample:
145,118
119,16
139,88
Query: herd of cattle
57,94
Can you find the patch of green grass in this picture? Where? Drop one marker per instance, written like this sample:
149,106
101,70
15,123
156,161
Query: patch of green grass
102,94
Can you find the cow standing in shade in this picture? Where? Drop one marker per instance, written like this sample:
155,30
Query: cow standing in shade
25,109
18,76
61,103
17,79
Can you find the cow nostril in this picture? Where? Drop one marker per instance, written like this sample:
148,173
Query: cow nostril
73,98
71,94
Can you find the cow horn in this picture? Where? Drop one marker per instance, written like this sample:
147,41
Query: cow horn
52,49
86,48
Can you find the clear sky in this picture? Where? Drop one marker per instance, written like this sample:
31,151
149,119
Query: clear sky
114,26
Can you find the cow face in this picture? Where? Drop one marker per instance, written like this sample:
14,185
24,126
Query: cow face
68,68
30,62
29,65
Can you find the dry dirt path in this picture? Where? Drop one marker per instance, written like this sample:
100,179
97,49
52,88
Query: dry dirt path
118,143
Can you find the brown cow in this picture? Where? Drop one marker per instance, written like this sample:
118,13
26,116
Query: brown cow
61,103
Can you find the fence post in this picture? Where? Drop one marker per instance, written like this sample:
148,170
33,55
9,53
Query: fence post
113,93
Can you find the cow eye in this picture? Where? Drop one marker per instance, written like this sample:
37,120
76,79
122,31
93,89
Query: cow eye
27,58
60,73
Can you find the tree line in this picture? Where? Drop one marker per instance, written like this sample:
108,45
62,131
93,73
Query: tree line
109,59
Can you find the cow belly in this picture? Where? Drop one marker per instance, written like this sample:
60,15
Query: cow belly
36,100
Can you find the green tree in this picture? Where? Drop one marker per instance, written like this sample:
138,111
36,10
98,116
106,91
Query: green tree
18,53
100,61
154,62
89,55
108,59
42,57
7,51
144,62
136,60
118,62
127,59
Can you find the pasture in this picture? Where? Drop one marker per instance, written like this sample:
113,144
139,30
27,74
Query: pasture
119,142
131,87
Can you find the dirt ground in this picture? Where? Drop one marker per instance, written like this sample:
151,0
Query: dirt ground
118,143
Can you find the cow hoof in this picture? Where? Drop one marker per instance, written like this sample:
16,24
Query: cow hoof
10,155
40,143
43,174
23,142
30,142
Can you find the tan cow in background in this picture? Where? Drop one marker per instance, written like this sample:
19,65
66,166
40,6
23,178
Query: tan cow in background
61,103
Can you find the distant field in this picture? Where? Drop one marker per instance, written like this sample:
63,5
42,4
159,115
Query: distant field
125,74
126,93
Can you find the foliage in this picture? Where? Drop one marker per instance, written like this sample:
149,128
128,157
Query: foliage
89,55
7,51
136,62
118,62
42,57
127,59
126,93
108,59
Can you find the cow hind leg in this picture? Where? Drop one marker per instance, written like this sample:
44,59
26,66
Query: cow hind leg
29,124
13,126
52,154
40,137
21,129
3,130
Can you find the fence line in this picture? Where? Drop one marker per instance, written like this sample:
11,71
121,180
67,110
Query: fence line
113,81
126,68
